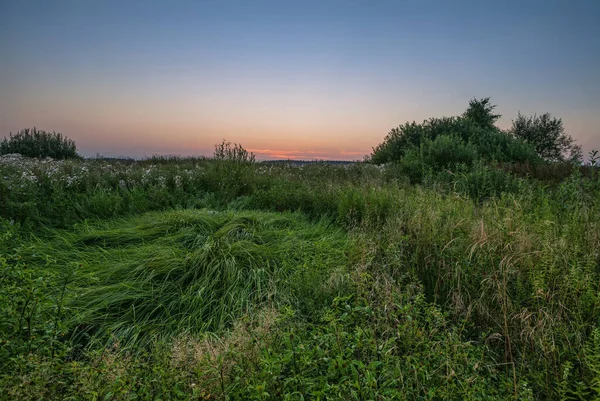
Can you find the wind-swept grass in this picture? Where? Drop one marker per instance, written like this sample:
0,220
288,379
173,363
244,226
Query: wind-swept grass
191,271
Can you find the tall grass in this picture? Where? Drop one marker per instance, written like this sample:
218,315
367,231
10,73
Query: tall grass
192,271
331,281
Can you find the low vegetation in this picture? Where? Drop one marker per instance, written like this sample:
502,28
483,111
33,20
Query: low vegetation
459,262
37,143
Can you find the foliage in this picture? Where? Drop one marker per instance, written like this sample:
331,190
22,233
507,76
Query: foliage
547,135
475,128
191,271
151,278
232,152
32,303
480,113
359,351
495,146
594,158
32,142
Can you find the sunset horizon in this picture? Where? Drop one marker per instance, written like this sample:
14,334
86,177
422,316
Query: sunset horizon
325,80
289,200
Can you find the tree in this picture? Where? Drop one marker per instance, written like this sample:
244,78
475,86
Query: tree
480,113
547,135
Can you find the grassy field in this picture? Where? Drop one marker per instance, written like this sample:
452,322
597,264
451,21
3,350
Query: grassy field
185,278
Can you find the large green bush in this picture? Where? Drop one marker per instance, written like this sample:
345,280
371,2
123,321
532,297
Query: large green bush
475,128
32,142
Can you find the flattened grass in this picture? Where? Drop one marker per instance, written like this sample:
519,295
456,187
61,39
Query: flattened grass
192,271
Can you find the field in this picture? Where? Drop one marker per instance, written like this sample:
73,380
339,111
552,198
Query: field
193,278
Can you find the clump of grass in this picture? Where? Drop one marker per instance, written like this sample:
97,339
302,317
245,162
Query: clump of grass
191,271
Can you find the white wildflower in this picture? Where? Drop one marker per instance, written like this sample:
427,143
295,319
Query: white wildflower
177,180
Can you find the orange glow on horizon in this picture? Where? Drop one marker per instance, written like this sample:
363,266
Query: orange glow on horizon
264,154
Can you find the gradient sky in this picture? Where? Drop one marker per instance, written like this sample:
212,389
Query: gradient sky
298,79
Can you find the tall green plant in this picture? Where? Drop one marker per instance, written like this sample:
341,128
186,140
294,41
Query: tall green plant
232,152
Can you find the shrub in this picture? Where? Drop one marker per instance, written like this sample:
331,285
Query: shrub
486,182
401,140
37,143
548,136
475,128
232,170
232,152
494,145
445,152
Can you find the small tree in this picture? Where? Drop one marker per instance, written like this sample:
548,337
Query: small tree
480,113
32,142
548,137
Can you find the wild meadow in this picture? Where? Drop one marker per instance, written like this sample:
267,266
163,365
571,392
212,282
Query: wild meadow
457,262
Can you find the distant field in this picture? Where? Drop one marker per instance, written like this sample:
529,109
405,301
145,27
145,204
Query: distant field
183,278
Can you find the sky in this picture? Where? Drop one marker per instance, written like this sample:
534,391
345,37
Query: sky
304,79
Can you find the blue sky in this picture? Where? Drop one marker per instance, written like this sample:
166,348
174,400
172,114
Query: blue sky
322,79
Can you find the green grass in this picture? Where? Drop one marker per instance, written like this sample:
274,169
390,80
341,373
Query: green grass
199,279
192,271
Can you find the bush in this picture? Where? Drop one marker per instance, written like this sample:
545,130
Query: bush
401,140
481,140
445,152
486,182
397,142
232,152
37,143
494,145
232,170
448,151
548,136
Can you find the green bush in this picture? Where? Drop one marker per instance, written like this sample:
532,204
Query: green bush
547,135
494,145
232,152
480,113
475,128
447,151
37,143
485,182
444,152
